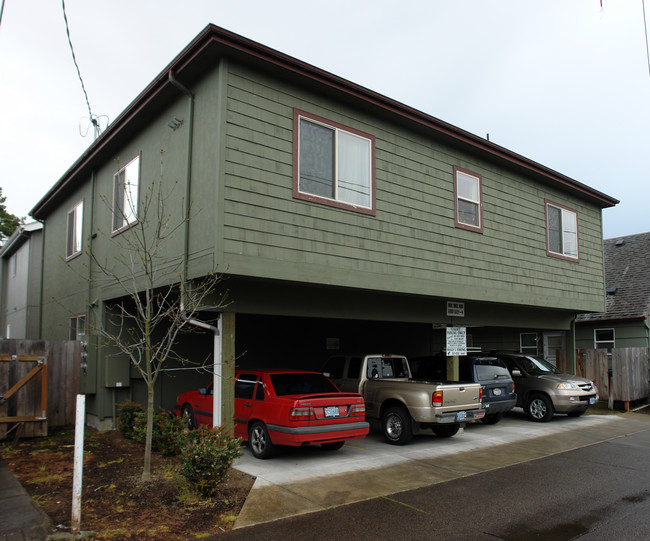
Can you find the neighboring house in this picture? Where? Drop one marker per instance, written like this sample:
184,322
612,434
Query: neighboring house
626,321
20,279
344,220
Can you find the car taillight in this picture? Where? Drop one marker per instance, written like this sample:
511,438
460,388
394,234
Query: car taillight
301,414
358,409
480,394
436,398
513,387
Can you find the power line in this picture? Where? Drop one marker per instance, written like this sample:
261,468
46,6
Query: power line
93,120
645,27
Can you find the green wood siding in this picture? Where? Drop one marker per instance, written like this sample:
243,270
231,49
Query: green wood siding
411,245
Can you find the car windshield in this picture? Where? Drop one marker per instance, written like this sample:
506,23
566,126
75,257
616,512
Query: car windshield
487,369
301,383
536,366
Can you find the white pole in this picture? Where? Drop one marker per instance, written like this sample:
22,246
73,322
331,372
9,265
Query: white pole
217,379
78,463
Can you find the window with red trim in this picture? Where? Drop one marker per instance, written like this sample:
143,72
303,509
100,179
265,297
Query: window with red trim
334,164
468,192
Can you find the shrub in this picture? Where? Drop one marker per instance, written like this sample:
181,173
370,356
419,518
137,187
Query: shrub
127,414
168,436
207,458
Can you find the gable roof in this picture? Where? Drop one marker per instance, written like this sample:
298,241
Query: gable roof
214,43
627,279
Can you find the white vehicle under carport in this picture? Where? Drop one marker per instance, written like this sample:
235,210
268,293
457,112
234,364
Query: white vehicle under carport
402,404
543,390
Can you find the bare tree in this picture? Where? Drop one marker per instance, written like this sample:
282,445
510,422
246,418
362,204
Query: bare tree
157,302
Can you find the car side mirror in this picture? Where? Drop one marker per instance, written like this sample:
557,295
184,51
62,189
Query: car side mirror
203,390
516,373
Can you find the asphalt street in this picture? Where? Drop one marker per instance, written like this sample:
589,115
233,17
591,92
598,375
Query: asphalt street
601,491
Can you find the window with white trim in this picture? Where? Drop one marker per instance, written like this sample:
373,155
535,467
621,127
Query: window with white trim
604,339
334,164
77,327
125,195
528,343
74,228
468,196
561,231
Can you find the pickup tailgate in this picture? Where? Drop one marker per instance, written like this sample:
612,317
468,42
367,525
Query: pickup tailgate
458,402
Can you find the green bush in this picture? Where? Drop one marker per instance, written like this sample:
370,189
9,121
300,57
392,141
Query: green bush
207,458
127,415
168,436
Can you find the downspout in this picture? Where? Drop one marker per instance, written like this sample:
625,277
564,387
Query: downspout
216,331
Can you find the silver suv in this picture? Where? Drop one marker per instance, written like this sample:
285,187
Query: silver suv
543,390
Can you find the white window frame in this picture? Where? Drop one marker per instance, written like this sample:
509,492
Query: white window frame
460,196
528,349
77,327
598,343
74,228
340,133
126,183
568,233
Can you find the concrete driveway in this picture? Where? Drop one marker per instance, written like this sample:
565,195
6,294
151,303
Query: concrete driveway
304,480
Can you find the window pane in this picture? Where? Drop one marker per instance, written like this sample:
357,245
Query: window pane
569,233
316,159
118,200
78,221
468,213
554,230
131,191
70,243
467,187
353,169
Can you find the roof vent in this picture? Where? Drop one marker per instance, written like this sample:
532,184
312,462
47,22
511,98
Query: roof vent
620,242
612,290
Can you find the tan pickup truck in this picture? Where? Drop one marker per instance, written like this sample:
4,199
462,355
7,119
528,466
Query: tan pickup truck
401,403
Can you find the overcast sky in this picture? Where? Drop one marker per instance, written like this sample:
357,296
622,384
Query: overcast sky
563,82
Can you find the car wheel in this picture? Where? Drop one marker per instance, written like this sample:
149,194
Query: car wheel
333,446
492,419
540,408
260,441
445,431
187,415
576,413
396,424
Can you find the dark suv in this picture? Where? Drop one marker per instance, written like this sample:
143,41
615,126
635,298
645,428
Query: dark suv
488,370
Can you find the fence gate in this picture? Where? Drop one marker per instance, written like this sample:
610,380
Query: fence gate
39,382
31,403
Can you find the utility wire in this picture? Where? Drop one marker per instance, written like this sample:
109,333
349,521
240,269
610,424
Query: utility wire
93,120
645,27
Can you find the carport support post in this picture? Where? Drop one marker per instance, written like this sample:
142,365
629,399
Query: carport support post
217,377
453,373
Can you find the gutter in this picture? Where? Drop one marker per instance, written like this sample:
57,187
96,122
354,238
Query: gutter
216,331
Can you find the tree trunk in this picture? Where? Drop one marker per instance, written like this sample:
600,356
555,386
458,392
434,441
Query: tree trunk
146,470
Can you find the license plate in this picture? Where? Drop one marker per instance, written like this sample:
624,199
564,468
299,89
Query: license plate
497,392
331,411
592,400
461,416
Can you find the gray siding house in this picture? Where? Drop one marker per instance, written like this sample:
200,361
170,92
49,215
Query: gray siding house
343,220
20,279
626,320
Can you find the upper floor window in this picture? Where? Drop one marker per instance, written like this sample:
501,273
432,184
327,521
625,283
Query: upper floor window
334,165
468,194
73,239
561,231
125,195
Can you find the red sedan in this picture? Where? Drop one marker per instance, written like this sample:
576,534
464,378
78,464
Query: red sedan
283,407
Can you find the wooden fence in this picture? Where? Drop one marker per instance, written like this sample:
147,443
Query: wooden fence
23,410
629,373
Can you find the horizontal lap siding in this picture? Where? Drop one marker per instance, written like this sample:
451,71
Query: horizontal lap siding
269,233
